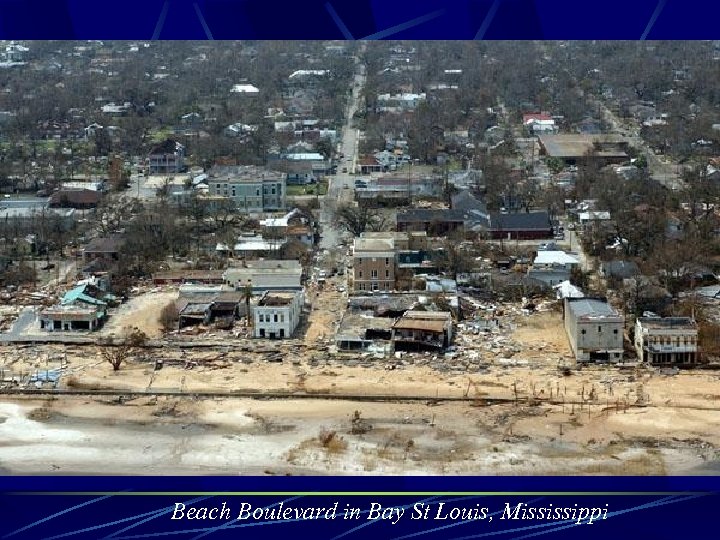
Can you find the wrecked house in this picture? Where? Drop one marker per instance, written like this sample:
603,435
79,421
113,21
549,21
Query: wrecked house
191,313
423,330
178,277
363,332
74,317
382,306
204,304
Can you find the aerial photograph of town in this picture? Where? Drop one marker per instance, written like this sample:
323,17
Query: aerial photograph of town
360,258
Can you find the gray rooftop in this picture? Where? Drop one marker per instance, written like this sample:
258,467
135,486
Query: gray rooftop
521,221
243,174
667,322
590,307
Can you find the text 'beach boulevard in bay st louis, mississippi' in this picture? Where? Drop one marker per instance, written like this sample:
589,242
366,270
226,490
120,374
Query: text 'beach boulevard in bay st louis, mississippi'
244,511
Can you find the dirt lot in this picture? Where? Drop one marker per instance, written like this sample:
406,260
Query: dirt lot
140,312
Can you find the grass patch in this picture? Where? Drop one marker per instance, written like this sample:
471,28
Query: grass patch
309,189
160,135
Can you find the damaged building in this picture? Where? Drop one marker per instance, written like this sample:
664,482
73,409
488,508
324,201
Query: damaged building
423,330
277,314
594,329
663,341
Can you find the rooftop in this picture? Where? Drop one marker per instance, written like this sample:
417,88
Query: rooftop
591,307
243,174
578,145
277,299
555,257
374,245
355,326
668,322
430,214
105,244
521,220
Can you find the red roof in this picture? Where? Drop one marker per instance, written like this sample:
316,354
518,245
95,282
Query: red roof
368,160
535,116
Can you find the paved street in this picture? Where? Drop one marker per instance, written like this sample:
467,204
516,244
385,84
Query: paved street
342,185
661,169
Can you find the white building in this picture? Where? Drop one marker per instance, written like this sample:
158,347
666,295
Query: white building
277,314
244,89
667,341
547,259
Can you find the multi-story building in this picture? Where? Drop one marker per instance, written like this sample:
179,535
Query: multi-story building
594,329
669,340
266,275
253,189
167,157
277,314
374,263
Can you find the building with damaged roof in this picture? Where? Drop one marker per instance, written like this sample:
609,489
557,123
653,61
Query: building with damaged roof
595,329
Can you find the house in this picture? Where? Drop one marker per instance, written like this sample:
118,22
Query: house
238,129
87,294
252,246
592,218
370,164
396,189
374,263
293,226
28,213
398,103
549,277
538,123
267,275
104,247
277,314
116,110
75,198
387,306
521,226
253,189
84,307
619,269
68,318
423,330
178,277
319,166
566,289
576,148
206,304
168,157
193,313
244,89
364,331
594,330
663,341
436,222
548,259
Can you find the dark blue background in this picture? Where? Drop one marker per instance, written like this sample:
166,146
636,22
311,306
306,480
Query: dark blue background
72,516
32,515
359,19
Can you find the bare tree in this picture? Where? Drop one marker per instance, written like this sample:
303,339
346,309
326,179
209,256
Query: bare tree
358,219
117,352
